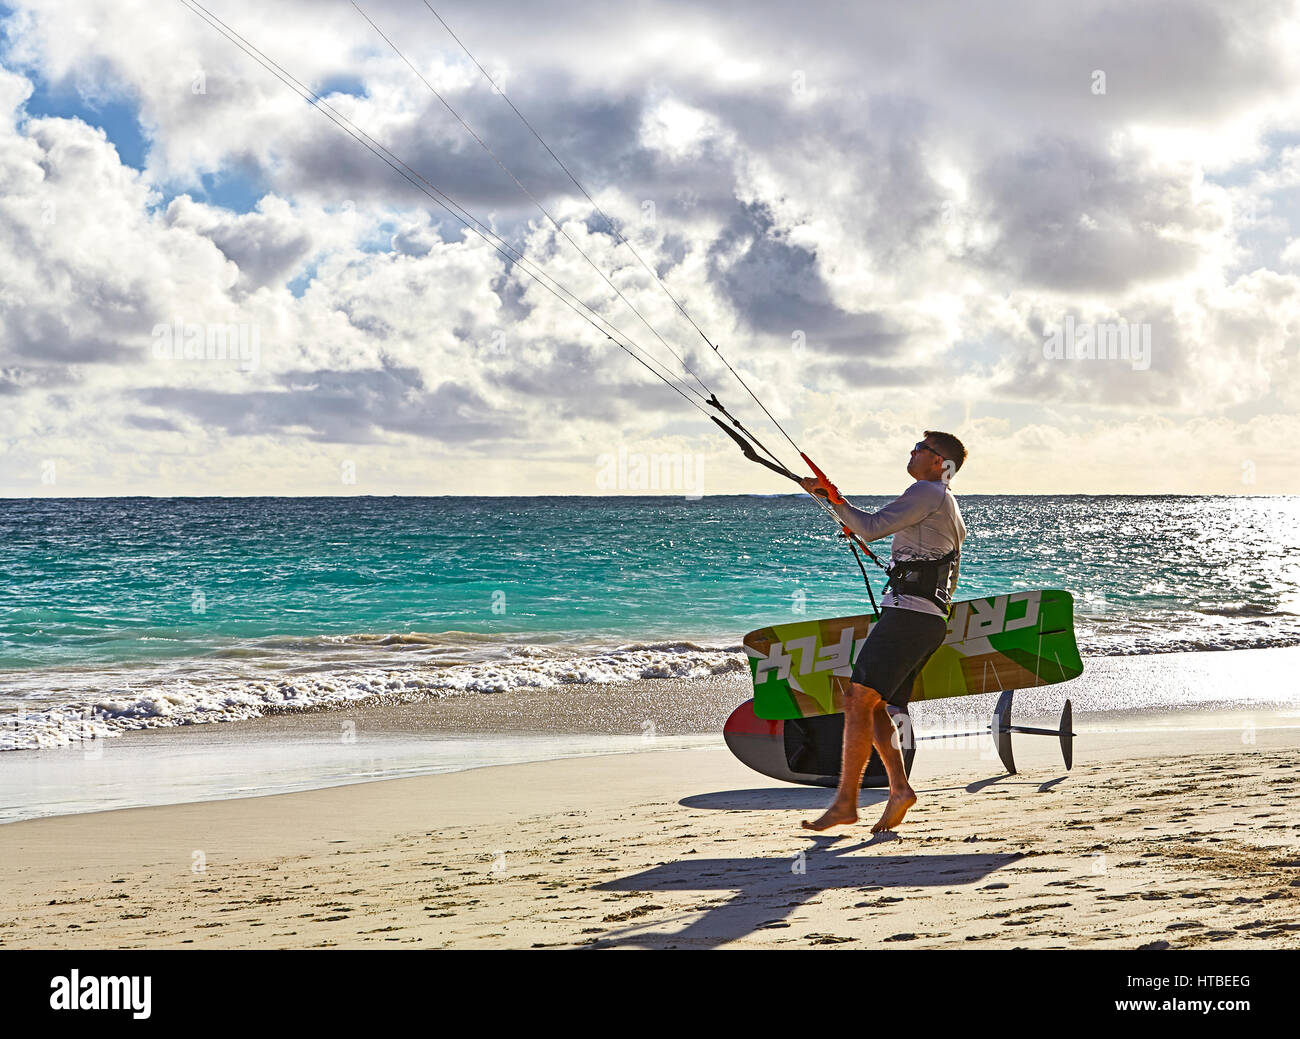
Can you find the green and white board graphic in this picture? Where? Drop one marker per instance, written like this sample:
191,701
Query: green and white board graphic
1013,641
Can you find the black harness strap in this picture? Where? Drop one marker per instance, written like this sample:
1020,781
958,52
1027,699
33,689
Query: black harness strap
920,577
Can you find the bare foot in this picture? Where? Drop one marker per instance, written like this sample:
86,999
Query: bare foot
833,816
895,808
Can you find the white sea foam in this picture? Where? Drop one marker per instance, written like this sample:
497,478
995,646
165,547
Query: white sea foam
278,674
187,701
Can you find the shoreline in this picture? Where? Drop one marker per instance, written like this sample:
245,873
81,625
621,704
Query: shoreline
116,702
302,750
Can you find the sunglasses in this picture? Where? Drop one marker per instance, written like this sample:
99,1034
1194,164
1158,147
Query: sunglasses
926,447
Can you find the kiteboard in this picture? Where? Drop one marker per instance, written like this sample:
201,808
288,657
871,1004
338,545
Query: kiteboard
1014,641
793,728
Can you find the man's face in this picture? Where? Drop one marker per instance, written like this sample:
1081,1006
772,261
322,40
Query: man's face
925,462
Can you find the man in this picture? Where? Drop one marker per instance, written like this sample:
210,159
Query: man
925,557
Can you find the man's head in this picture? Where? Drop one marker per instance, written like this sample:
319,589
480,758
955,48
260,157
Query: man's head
936,457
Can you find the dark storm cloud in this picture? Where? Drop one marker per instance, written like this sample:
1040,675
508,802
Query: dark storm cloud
777,288
593,133
773,284
342,407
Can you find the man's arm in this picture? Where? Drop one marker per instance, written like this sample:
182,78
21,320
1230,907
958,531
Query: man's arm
912,506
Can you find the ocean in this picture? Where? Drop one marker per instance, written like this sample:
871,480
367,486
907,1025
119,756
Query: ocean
129,613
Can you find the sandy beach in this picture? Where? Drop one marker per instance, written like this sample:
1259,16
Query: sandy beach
1181,834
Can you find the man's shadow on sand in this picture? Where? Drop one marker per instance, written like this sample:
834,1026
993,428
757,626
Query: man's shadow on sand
767,889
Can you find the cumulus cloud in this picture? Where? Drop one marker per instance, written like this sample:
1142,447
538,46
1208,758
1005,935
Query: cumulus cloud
265,246
883,210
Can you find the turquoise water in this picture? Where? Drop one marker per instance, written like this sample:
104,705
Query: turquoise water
101,581
224,605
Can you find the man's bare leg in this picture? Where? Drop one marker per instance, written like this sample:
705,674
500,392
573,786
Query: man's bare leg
901,794
859,704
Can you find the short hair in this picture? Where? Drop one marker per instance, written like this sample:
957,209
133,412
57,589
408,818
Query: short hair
952,448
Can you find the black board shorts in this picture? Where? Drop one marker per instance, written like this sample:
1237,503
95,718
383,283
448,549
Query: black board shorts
896,649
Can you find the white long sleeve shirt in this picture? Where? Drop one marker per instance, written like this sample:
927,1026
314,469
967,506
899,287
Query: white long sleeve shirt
926,524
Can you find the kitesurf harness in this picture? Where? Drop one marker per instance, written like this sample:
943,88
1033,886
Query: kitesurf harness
927,579
750,445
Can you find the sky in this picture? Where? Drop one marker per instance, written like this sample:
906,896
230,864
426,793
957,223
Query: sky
1067,233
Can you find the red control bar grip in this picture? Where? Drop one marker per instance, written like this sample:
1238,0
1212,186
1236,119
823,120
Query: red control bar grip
832,492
